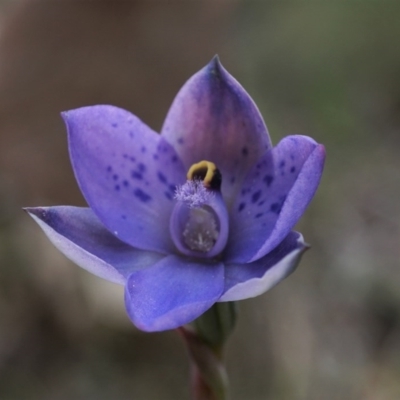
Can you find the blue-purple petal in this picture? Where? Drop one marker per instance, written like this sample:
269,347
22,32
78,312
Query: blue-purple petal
82,238
274,196
243,281
173,292
126,172
213,118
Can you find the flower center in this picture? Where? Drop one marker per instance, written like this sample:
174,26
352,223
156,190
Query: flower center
199,221
201,231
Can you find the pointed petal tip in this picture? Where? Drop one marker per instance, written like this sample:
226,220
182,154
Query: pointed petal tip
322,150
64,115
320,154
35,211
215,68
215,62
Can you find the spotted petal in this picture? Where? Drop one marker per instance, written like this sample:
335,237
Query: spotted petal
126,172
213,118
172,293
274,196
80,236
243,281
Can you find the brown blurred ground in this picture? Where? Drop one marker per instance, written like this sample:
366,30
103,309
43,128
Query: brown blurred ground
327,69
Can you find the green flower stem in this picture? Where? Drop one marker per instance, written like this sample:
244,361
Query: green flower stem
201,390
205,340
216,324
209,380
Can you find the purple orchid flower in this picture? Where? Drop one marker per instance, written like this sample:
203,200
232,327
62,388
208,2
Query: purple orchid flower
199,214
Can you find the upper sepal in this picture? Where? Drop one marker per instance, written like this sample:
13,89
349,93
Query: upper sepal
213,118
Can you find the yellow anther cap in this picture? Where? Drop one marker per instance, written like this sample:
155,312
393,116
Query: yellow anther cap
207,172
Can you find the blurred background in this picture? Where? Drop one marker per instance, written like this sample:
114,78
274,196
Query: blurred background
327,69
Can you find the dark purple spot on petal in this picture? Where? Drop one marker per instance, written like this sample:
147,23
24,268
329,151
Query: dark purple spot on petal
143,149
141,167
123,216
282,164
261,202
181,141
256,196
125,156
117,188
133,159
245,151
259,215
277,207
115,177
174,158
162,148
168,195
268,179
109,168
155,156
131,134
141,195
136,175
125,183
172,188
241,206
293,170
161,177
114,125
292,157
233,179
